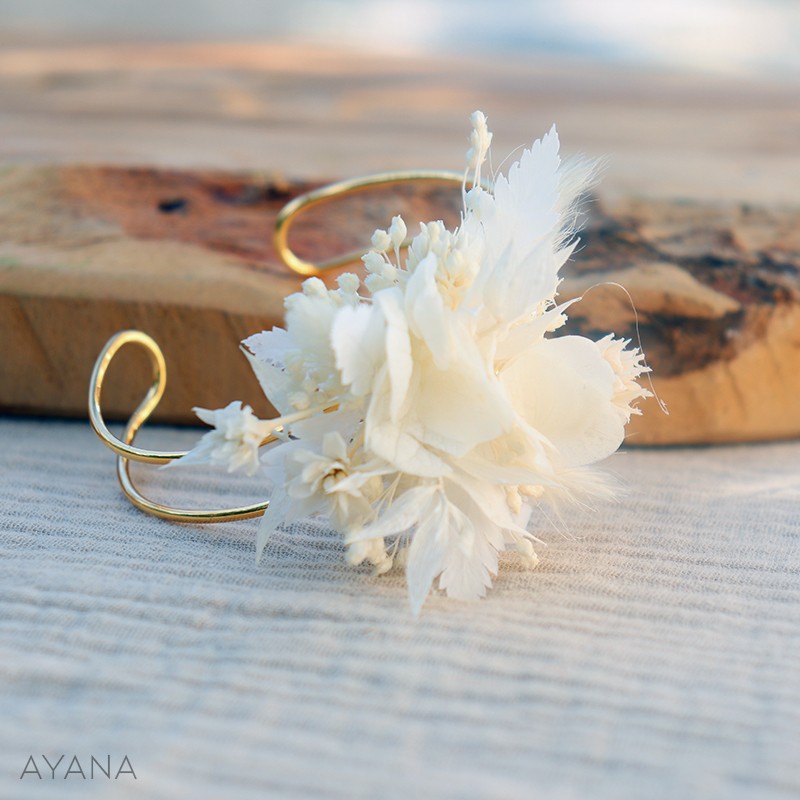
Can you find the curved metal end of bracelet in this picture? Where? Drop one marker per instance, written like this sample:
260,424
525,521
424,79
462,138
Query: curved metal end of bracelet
125,449
334,191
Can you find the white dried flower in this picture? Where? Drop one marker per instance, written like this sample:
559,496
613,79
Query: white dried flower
381,241
397,231
234,443
322,477
348,284
480,140
459,410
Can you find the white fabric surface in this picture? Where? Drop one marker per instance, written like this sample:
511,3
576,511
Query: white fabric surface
656,654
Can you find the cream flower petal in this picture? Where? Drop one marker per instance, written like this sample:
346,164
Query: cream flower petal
358,336
453,405
409,508
442,409
469,560
564,389
425,310
398,347
426,555
270,346
398,444
274,381
234,443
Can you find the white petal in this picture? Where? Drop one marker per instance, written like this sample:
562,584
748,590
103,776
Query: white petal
563,388
485,505
425,556
314,428
269,346
207,415
398,347
309,317
426,310
274,382
334,446
461,406
469,560
404,512
520,337
398,443
357,337
524,228
201,453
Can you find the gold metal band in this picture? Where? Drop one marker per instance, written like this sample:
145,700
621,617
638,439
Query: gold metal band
127,452
289,213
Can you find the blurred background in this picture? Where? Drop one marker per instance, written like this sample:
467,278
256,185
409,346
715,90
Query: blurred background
744,37
696,98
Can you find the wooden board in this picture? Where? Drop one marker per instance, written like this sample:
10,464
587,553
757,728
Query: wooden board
717,293
187,257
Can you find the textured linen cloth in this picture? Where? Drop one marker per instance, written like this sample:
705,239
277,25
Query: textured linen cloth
655,652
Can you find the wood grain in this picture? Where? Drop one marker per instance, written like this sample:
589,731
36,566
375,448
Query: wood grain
187,257
175,238
714,293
